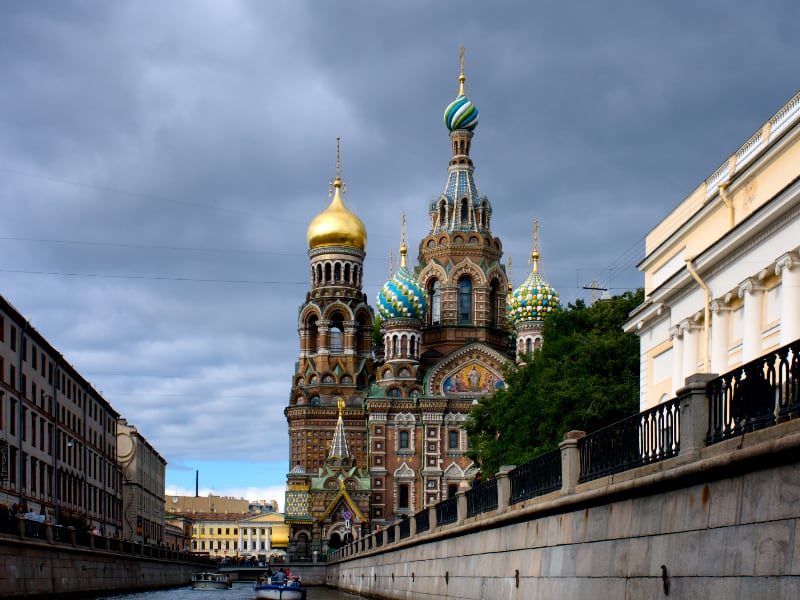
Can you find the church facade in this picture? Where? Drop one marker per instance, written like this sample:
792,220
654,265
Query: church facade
376,430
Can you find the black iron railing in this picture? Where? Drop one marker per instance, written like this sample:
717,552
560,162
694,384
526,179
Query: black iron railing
379,538
647,437
390,535
405,528
422,520
446,512
537,477
755,395
482,498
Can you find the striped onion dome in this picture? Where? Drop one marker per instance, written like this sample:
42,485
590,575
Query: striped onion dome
402,296
534,299
461,114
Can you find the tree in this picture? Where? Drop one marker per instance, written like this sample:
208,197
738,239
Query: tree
585,376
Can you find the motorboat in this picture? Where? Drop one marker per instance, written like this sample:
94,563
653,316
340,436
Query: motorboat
289,589
210,581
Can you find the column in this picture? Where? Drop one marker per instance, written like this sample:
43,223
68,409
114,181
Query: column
753,293
677,359
788,267
690,352
719,336
250,546
324,339
268,544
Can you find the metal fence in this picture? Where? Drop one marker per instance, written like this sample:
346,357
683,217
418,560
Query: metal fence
536,477
755,395
447,511
482,498
647,437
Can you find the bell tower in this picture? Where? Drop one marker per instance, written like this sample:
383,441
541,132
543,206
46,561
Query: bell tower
335,326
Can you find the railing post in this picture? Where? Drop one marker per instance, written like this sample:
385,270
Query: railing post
694,418
570,461
503,487
461,504
432,517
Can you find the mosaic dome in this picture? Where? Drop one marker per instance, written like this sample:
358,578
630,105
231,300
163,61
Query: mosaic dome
402,296
534,299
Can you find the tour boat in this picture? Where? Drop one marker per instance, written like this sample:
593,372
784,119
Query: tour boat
288,590
210,581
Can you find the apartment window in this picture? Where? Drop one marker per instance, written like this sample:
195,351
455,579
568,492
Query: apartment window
2,328
13,338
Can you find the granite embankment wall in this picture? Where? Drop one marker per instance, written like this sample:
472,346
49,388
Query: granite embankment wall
39,569
716,522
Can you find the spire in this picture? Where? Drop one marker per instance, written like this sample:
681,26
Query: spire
535,253
403,248
339,444
510,288
461,77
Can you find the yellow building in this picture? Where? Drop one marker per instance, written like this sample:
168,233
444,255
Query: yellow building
236,536
722,270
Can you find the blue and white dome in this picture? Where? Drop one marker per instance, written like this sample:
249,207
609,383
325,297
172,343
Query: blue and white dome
402,296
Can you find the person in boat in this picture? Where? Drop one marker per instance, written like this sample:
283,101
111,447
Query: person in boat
279,577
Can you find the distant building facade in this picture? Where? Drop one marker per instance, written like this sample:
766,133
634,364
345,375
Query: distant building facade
143,483
58,446
722,270
237,536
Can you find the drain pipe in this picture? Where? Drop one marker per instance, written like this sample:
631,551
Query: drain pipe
723,193
706,313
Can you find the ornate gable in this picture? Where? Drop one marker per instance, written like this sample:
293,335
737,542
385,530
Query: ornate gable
472,370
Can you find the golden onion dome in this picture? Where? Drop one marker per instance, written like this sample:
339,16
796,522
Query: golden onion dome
336,225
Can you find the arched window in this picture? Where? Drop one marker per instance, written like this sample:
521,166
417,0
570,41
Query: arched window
464,212
312,333
442,215
337,333
347,273
404,439
412,347
435,302
319,274
395,346
355,275
327,272
464,301
337,272
529,345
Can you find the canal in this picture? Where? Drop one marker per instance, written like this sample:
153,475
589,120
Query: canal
239,591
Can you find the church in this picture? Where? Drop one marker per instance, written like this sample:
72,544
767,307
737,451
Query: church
375,414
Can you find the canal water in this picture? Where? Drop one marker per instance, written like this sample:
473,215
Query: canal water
239,591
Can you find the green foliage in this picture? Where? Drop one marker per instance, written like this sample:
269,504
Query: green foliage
585,376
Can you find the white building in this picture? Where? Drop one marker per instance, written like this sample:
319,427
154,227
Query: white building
722,270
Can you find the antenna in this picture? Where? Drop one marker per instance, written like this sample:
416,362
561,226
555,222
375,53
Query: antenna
595,288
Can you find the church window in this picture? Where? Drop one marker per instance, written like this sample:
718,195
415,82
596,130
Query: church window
395,346
347,273
393,393
327,272
494,297
337,272
404,439
435,302
537,343
464,301
464,212
529,345
337,333
355,275
412,347
442,214
453,439
402,495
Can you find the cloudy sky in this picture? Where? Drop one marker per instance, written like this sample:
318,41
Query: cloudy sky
160,163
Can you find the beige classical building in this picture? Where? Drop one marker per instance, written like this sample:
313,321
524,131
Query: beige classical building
722,270
143,482
234,535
